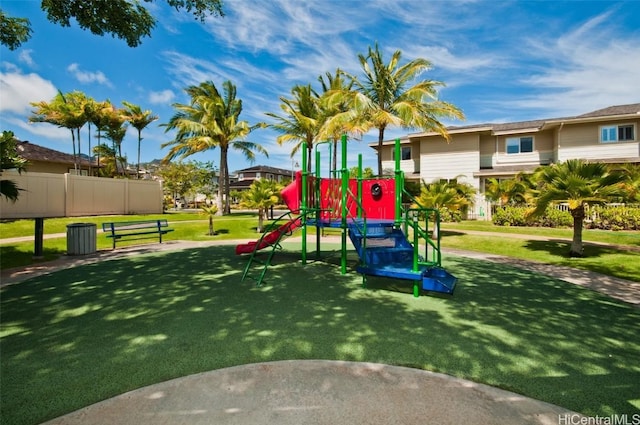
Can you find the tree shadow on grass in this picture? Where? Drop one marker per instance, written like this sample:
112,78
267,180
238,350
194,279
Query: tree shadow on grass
13,257
81,335
622,262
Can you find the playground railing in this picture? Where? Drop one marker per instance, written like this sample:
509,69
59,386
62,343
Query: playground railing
360,223
432,254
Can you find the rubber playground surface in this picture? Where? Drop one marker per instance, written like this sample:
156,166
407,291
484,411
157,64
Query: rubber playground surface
316,391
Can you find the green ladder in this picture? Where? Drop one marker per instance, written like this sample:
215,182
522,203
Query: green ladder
281,231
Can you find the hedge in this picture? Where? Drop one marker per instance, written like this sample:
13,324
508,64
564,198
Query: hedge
597,217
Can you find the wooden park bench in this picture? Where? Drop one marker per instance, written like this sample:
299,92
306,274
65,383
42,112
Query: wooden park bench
135,229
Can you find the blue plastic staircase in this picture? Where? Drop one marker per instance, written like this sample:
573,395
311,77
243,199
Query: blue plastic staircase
384,250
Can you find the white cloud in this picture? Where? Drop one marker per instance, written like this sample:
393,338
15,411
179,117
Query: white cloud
18,90
36,130
25,56
588,68
188,71
87,77
161,97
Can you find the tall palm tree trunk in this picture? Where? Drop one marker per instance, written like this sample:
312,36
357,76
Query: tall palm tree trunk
223,183
380,140
89,153
79,149
75,158
138,166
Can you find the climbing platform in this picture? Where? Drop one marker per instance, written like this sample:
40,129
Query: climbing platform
385,251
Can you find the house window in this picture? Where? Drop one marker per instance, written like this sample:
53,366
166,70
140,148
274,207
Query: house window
617,133
519,144
405,153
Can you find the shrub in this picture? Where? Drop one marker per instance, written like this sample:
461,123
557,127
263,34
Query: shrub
510,216
619,217
517,216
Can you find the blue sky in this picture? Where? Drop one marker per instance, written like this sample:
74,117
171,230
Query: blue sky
501,61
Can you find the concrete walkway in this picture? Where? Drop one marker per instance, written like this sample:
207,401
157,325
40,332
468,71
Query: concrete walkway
319,392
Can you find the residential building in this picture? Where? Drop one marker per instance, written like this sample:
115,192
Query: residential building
45,160
502,150
242,179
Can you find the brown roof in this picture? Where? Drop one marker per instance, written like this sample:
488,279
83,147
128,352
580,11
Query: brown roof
633,108
264,169
32,152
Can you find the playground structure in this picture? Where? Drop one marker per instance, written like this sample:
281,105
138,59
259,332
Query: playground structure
392,240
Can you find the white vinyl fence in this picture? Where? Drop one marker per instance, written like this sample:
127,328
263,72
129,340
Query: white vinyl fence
46,195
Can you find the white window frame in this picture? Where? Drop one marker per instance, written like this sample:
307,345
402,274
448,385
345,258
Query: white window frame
611,133
518,141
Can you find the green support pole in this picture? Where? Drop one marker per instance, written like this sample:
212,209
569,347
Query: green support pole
360,185
317,207
416,241
303,202
345,187
398,177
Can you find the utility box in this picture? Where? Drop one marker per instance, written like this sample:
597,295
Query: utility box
81,239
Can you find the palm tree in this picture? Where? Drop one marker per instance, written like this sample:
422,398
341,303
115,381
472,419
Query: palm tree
139,120
446,195
210,212
212,120
577,183
301,119
107,159
262,194
631,183
97,114
116,129
10,159
385,98
336,118
514,191
66,111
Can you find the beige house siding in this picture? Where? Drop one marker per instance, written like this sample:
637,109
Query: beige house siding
449,166
543,143
442,160
49,167
487,149
601,152
583,141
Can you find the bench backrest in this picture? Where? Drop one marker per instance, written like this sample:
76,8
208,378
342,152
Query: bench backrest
134,225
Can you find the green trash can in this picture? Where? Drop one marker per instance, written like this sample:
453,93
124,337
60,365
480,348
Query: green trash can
81,238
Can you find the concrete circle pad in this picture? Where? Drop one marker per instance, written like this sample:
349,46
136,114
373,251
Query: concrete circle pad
317,392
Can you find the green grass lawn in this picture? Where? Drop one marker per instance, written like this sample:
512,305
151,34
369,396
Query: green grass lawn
624,264
187,226
193,226
88,333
